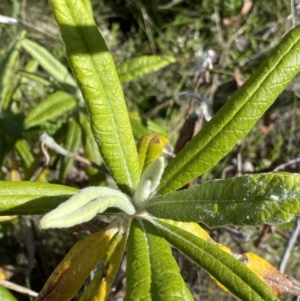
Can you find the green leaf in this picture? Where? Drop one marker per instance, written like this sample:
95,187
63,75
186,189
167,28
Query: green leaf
85,205
152,272
142,126
248,200
25,153
139,66
18,198
90,151
6,295
89,6
53,66
96,74
70,274
54,106
149,181
236,118
73,139
222,266
99,288
7,65
150,148
28,76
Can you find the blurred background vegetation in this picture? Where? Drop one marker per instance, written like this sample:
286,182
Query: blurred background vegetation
238,34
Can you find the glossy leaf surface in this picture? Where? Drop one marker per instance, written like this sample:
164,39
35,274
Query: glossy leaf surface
152,272
31,198
96,75
237,117
222,266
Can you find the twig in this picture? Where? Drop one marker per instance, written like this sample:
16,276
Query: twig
293,13
48,142
284,165
289,246
18,288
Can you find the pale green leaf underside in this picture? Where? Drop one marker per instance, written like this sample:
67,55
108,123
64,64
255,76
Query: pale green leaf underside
142,65
152,272
96,74
236,277
31,198
85,205
54,106
236,118
148,183
248,200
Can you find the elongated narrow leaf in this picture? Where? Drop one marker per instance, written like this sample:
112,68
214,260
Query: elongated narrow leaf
236,118
31,198
279,283
54,106
91,152
152,272
71,273
142,126
37,79
248,200
96,74
100,286
53,66
7,64
149,181
25,153
151,147
84,205
222,266
73,138
142,65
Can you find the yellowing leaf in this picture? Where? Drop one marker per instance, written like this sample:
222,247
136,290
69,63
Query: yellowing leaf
100,286
111,269
71,273
280,283
150,148
192,228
